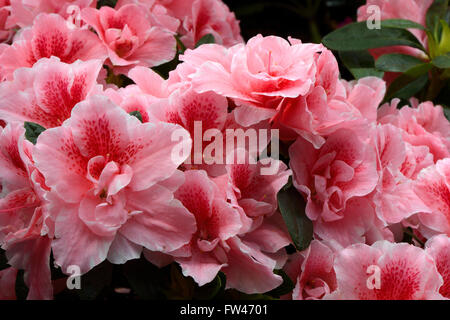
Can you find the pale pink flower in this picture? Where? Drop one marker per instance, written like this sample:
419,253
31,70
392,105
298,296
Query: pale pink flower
258,75
46,93
217,222
423,124
5,32
130,99
195,19
25,231
359,224
149,82
190,109
49,36
331,105
248,260
156,13
433,188
414,10
439,248
251,190
130,37
313,272
394,197
343,168
406,273
23,13
208,17
253,257
112,180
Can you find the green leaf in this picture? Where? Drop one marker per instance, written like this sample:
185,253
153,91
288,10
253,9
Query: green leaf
436,12
164,69
108,3
33,130
136,114
442,62
409,83
208,38
180,44
292,207
444,44
93,282
360,63
401,24
396,62
286,287
447,113
358,37
21,287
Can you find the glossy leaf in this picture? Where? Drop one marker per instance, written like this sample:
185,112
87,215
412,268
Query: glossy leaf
33,130
292,207
136,114
286,287
396,62
208,38
442,62
358,37
360,63
409,83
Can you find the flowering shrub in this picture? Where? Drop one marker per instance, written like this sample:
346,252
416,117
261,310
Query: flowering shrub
147,151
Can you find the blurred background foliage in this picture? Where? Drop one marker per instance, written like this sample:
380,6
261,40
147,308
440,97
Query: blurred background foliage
308,20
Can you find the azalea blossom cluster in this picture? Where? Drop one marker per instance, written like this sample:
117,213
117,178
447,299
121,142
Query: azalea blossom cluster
100,183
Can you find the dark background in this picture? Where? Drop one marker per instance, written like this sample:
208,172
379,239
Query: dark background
307,20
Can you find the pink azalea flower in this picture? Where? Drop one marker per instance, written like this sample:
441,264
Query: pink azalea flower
257,76
343,168
174,101
313,272
156,13
189,109
359,224
251,191
406,273
394,198
331,105
439,248
433,188
414,10
217,222
5,10
23,13
46,93
253,257
130,99
130,38
248,260
208,17
423,124
49,36
112,180
24,223
194,19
